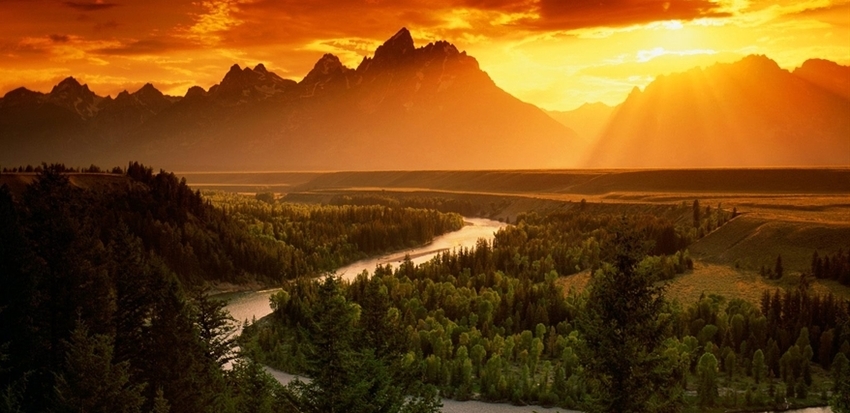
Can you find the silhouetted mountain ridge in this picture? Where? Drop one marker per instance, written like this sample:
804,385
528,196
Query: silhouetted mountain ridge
432,107
405,107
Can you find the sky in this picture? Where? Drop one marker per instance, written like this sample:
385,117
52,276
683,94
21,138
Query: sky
556,54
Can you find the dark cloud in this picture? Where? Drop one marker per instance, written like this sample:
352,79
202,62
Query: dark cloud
23,49
107,25
292,21
145,47
579,14
59,38
89,6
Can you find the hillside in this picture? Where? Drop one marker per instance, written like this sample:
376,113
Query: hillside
430,107
583,182
744,114
750,242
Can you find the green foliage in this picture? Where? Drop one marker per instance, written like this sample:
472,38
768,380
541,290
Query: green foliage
759,367
253,390
707,373
840,401
91,382
347,377
216,327
314,239
623,330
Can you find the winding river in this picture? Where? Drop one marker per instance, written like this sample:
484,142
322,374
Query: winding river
253,305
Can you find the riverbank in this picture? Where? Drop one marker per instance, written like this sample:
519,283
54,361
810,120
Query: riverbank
449,405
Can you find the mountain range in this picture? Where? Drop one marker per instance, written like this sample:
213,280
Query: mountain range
749,113
405,107
432,107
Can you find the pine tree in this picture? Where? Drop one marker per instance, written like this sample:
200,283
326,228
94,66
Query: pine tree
216,327
90,381
697,213
623,332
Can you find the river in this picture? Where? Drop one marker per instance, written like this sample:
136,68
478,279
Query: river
255,305
466,237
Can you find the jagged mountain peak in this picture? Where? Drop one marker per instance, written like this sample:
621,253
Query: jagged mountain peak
67,83
396,49
241,85
326,69
69,93
402,39
70,89
327,64
148,91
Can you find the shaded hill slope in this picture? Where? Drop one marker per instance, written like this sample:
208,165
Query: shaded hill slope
827,181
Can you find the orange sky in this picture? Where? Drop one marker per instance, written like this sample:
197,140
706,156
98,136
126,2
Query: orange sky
556,54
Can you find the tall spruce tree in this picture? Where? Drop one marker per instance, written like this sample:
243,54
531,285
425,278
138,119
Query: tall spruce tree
623,330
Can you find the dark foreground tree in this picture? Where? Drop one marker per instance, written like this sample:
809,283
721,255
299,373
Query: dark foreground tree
91,381
623,327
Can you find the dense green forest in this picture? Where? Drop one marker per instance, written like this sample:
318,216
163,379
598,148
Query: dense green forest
103,306
313,239
493,323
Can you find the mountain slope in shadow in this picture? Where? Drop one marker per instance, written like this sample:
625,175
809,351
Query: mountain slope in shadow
744,114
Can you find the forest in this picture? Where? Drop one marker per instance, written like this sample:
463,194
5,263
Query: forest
106,307
493,323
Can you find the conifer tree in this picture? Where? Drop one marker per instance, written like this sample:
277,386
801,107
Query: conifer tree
90,382
623,332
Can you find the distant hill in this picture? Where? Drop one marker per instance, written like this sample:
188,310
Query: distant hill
588,120
403,108
744,114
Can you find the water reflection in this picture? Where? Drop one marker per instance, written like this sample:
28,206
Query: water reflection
466,237
255,304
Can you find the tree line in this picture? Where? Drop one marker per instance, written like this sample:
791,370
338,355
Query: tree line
59,167
834,266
